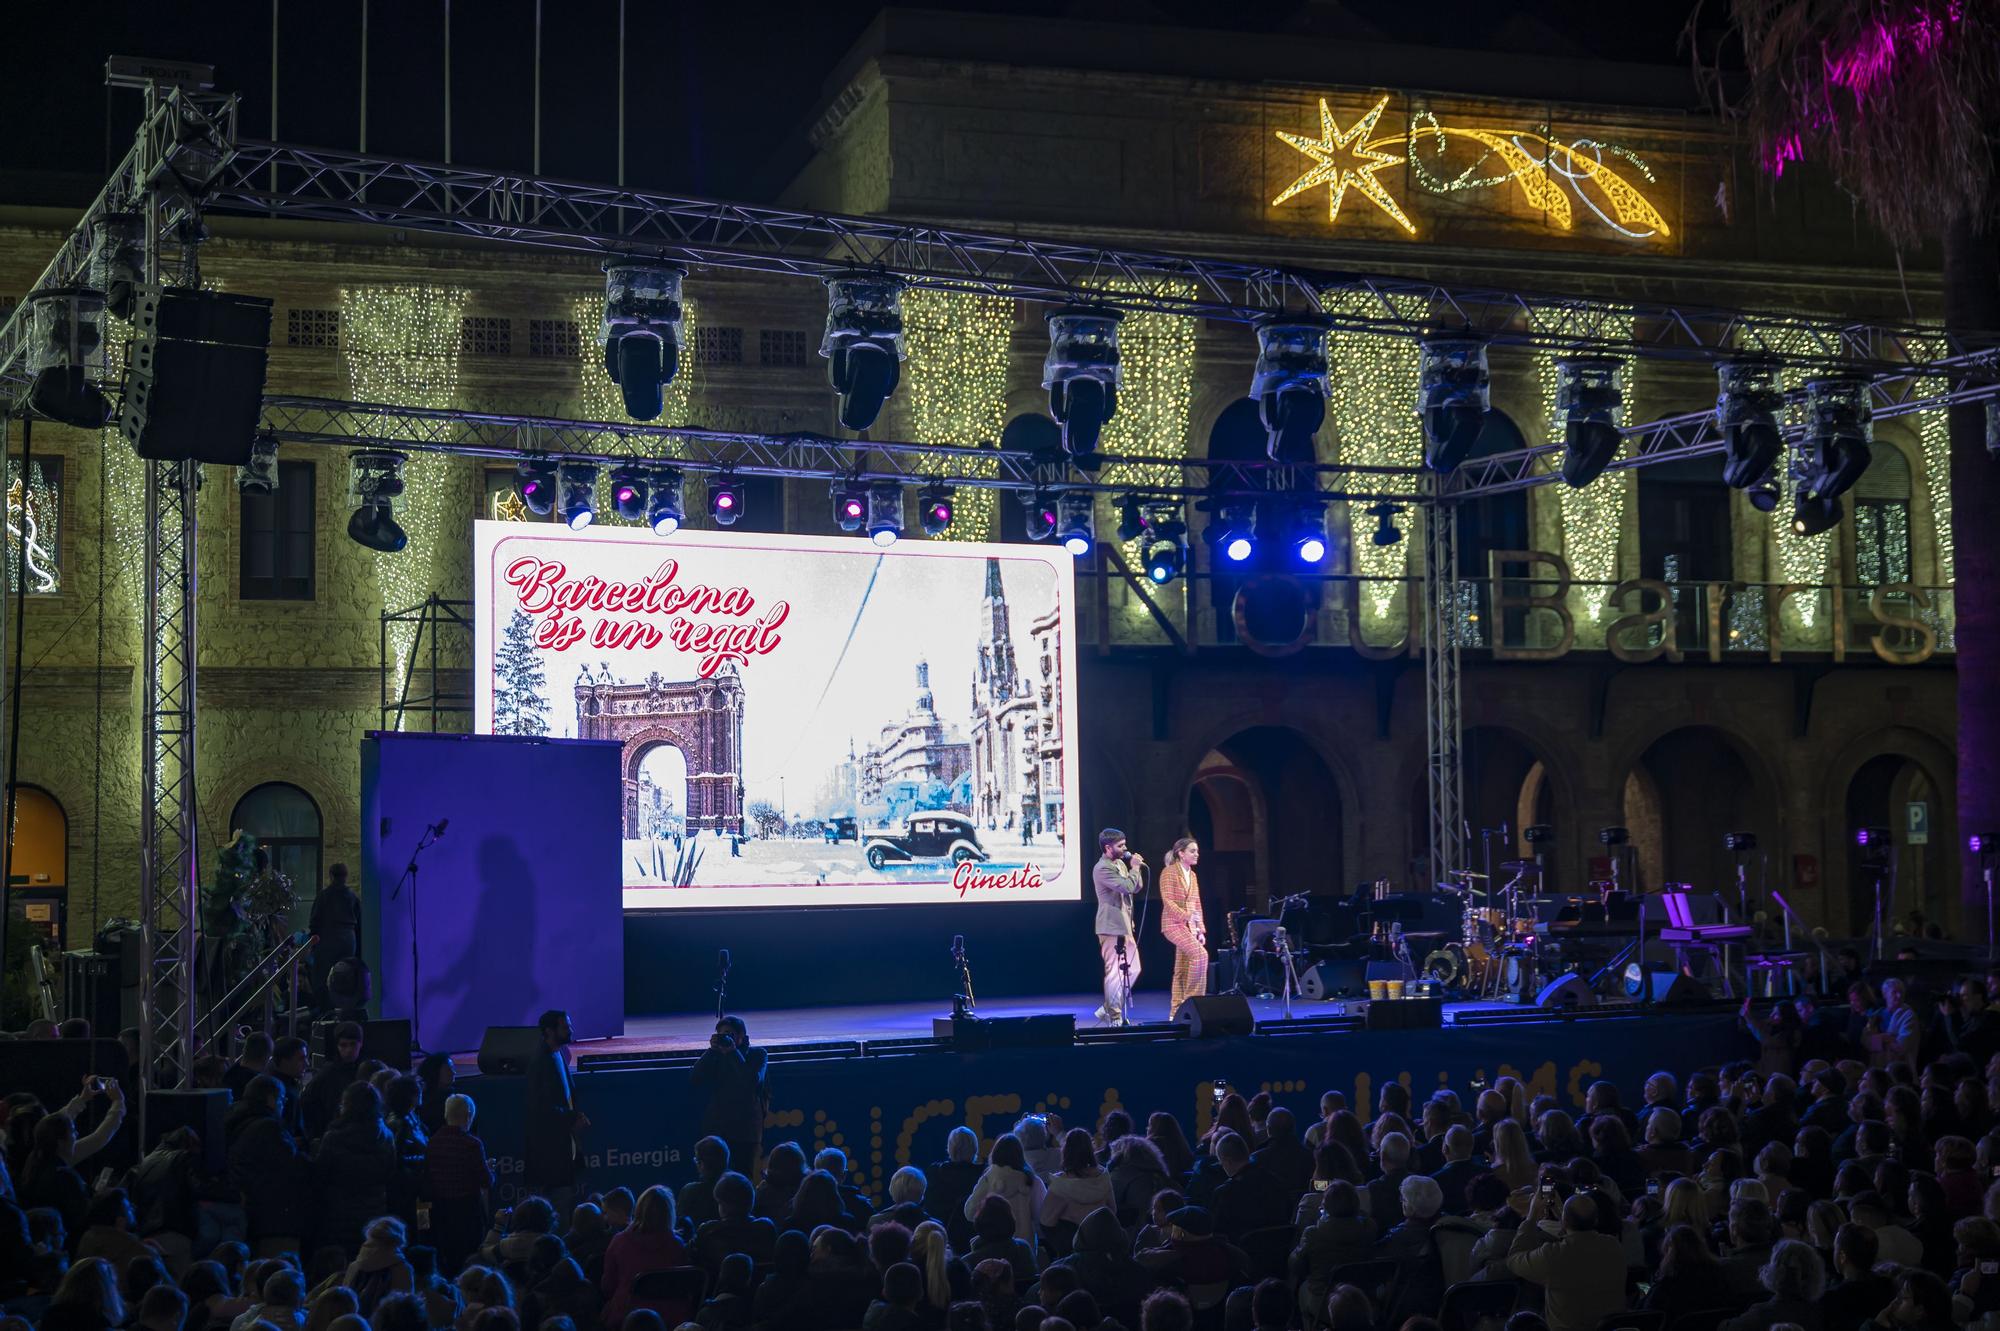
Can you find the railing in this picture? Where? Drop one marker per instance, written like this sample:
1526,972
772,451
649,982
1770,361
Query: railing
1281,613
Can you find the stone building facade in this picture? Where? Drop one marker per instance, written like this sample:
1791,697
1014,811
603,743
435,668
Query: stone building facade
1298,755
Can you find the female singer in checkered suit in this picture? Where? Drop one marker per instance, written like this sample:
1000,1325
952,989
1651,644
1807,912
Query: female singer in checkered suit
1181,922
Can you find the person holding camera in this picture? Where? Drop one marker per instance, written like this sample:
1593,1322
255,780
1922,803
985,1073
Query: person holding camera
732,1070
1118,877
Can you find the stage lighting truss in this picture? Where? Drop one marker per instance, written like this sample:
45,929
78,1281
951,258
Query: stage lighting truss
725,499
934,509
196,149
1233,532
885,512
375,481
1386,531
535,485
1590,403
1455,390
1164,555
1306,532
850,505
666,506
1132,521
259,476
1076,521
1039,515
65,353
1749,397
863,344
641,332
1840,429
1290,384
118,260
577,484
1082,373
629,487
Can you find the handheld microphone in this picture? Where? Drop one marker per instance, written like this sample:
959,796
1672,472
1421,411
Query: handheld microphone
958,945
722,960
438,830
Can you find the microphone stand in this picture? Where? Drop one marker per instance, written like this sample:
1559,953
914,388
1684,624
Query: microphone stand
962,1002
424,843
722,984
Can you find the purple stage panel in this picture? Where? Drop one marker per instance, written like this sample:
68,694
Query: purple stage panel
516,908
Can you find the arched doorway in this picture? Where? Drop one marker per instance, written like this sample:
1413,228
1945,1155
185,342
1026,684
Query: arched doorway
1688,789
41,840
1913,878
656,804
287,823
1506,785
1267,810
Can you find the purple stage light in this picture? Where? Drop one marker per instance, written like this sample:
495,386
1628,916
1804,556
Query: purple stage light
725,500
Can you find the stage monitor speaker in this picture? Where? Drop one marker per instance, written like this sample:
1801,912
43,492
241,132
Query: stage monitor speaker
1047,1030
1334,979
1404,1014
1566,991
1213,1018
195,379
1668,987
506,1051
201,1110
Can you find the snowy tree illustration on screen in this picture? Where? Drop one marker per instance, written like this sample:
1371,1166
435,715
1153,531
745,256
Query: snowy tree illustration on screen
518,705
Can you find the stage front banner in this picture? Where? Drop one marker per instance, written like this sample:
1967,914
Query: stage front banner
804,721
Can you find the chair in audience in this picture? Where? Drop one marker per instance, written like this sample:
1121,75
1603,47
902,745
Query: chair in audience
1269,1250
1469,1304
1633,1320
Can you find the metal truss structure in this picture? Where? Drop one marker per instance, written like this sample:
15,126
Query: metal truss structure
187,159
1444,772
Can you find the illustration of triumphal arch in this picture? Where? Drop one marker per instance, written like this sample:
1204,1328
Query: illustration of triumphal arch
703,718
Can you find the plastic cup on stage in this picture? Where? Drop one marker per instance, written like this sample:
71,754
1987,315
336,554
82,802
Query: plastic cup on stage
1395,988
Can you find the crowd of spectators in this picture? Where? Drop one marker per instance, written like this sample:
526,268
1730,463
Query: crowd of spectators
1845,1178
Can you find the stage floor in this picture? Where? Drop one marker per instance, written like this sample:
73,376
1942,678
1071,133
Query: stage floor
891,1021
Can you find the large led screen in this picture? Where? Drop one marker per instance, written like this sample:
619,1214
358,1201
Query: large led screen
806,721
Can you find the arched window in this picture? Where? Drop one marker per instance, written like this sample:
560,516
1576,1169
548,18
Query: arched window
1684,537
41,840
286,822
1882,519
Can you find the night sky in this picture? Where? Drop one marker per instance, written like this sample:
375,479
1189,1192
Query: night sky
718,94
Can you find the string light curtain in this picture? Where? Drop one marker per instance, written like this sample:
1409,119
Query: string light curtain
1801,559
1155,398
1593,518
401,344
1374,411
954,385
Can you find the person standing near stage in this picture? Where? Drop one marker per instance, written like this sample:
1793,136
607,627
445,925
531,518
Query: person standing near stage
553,1159
1118,877
1181,923
732,1071
336,921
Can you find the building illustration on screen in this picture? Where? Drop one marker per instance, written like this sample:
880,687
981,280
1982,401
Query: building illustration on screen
896,733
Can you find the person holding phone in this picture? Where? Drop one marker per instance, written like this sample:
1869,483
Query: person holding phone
1560,1248
1118,876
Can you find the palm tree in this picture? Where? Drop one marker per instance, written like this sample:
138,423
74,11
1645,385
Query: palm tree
1901,100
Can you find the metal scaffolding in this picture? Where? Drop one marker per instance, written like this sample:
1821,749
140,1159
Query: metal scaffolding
1443,772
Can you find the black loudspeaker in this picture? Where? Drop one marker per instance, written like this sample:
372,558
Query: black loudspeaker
1334,979
201,1110
94,989
1405,1014
1216,1017
1566,991
1669,987
194,384
506,1051
1047,1030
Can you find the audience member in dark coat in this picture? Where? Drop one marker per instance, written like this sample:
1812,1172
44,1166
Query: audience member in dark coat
734,1229
1283,1155
354,1166
695,1203
1860,1292
552,1158
1102,1260
950,1181
320,1102
1460,1168
269,1170
1795,1279
1250,1197
1138,1174
732,1072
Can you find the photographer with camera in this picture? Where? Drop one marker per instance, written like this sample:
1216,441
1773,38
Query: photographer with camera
1120,875
732,1070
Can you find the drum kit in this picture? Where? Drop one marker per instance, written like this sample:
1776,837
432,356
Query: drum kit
1499,942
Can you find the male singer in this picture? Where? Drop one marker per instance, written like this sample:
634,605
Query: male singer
1118,877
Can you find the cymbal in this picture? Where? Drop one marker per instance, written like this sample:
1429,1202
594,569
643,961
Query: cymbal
1465,873
1518,865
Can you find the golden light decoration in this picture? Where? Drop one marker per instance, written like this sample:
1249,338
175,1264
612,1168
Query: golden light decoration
1801,559
1373,409
954,385
1343,158
1934,436
1593,518
1155,397
402,344
598,398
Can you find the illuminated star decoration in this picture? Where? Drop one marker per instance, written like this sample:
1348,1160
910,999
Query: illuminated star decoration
1346,159
507,507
